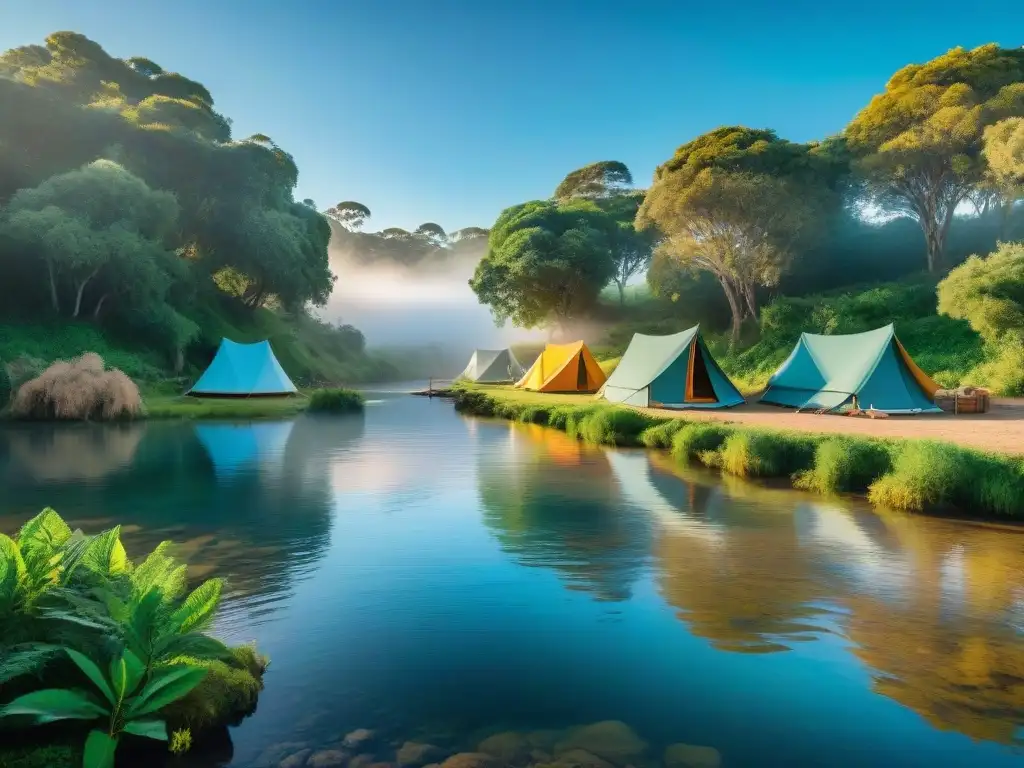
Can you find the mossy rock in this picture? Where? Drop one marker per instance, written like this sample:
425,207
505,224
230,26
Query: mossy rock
226,696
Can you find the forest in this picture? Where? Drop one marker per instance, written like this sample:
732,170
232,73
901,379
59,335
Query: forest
760,238
132,219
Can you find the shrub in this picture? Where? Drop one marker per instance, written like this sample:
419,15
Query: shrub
924,474
79,390
661,435
534,414
476,403
336,401
575,418
845,465
766,454
614,426
699,437
1003,369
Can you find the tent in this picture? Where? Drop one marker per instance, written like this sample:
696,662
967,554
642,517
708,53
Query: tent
674,371
564,368
243,370
492,365
826,372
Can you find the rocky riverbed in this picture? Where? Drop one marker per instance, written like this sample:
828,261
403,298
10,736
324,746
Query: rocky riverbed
608,744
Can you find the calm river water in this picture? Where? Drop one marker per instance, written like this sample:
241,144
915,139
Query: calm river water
442,579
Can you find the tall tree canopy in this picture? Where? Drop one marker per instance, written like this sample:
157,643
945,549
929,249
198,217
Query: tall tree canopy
1004,153
546,262
607,177
919,143
235,223
737,202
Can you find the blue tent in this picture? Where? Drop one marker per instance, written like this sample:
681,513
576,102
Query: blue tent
243,370
826,372
674,371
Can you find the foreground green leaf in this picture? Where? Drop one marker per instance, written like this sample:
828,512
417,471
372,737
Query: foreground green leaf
126,673
99,750
94,673
51,704
150,729
166,686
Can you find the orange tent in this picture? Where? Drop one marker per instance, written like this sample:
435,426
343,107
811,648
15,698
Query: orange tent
564,368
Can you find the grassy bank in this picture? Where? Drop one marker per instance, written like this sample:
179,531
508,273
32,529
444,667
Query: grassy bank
181,407
908,475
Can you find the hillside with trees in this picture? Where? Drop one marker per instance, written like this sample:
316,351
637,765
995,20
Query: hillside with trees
134,224
759,238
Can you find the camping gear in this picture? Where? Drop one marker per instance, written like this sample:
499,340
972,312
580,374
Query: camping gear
564,368
963,400
492,366
872,368
243,370
675,371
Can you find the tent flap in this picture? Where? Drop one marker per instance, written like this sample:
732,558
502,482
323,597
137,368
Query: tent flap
243,370
564,368
674,371
826,372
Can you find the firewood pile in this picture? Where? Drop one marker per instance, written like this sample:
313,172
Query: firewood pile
963,400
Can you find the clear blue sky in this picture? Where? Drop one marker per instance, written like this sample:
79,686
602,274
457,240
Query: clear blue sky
450,110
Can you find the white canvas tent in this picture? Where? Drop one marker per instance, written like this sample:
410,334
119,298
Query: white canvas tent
493,366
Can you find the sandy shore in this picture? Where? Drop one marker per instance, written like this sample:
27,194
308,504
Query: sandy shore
1001,429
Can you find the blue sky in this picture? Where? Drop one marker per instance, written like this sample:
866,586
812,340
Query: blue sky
449,111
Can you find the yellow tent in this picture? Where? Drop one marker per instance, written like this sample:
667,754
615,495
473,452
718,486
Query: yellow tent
564,368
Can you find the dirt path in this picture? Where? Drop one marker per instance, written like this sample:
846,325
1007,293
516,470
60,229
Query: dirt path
1001,429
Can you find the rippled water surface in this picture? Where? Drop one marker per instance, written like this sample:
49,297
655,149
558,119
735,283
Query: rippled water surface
442,579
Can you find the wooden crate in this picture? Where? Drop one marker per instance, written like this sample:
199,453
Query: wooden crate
963,400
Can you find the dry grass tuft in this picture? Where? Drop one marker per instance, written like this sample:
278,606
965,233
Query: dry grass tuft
78,390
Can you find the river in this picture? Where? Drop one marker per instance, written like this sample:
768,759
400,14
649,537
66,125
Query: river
441,579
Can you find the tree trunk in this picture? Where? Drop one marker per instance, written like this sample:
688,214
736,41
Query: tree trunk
734,307
622,293
81,290
750,297
53,287
99,306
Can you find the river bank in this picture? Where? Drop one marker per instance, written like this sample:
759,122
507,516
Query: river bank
903,473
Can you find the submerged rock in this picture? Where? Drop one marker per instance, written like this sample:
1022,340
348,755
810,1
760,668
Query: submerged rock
580,758
362,761
471,760
298,760
360,737
328,758
508,747
690,756
275,754
613,740
545,740
413,754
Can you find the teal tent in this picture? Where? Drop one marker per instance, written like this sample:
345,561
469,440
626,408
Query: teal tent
243,370
674,371
826,372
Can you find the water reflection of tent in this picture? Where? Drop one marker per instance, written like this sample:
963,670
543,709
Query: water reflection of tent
636,480
233,446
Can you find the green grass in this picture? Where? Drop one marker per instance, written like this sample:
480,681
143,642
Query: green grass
181,407
907,475
49,756
336,401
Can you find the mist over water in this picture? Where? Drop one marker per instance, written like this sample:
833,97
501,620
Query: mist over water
395,305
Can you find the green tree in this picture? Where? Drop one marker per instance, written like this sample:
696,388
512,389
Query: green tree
546,262
99,223
919,143
631,249
597,180
987,292
350,214
739,203
1004,152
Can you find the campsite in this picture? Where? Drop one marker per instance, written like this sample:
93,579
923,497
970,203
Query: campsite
491,386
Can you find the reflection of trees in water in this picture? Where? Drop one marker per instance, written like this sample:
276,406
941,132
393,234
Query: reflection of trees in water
67,453
552,502
249,508
952,649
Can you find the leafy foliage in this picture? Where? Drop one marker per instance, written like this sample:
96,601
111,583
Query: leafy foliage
545,262
336,401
